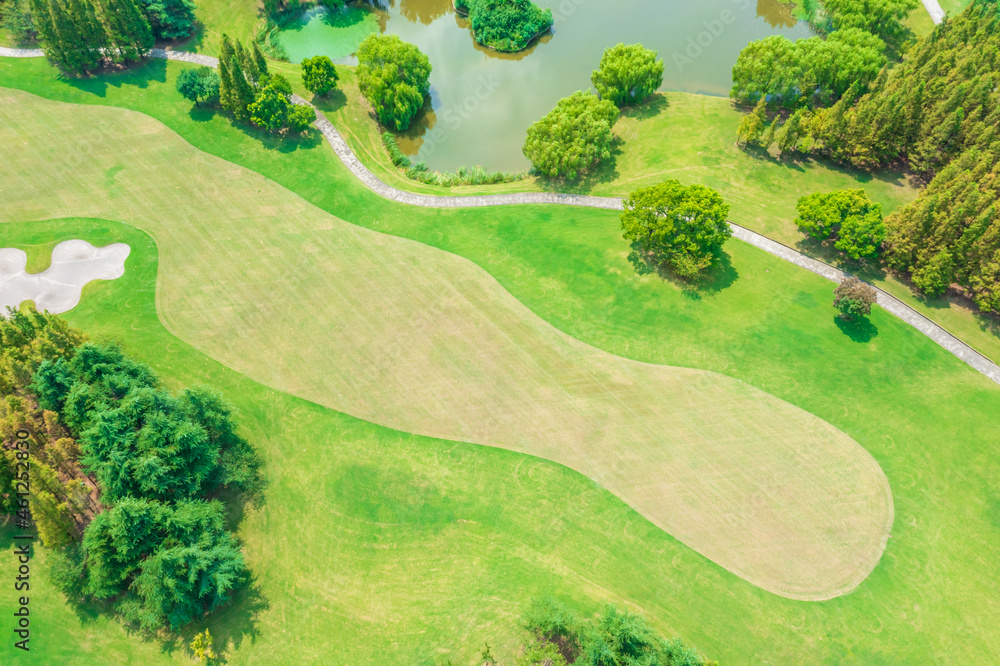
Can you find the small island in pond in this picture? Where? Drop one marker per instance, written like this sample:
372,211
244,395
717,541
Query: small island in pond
505,25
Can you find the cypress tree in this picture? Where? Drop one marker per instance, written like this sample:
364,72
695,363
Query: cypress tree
129,34
247,64
91,32
243,93
258,57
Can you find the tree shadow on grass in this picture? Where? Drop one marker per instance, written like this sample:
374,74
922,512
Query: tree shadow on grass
331,102
719,276
825,251
893,174
858,329
138,75
651,107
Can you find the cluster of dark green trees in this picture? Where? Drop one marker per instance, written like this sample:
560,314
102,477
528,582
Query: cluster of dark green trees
938,110
857,37
79,36
556,637
577,135
125,476
505,25
245,88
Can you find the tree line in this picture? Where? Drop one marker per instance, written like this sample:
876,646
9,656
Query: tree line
80,36
938,112
125,476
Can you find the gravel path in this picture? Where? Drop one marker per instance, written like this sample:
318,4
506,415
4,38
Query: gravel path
350,160
935,10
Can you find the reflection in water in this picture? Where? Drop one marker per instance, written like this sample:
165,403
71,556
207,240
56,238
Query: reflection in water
778,14
425,11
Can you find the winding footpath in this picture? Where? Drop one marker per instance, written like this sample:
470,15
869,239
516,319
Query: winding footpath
890,303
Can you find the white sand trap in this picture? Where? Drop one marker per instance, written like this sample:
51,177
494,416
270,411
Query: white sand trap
58,289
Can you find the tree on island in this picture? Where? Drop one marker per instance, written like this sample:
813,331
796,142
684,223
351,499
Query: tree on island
850,215
628,74
394,76
319,76
854,298
681,227
573,137
505,25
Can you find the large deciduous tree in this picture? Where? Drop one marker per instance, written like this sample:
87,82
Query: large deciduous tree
394,76
683,227
573,137
628,74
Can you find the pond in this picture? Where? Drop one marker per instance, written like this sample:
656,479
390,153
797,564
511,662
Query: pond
482,101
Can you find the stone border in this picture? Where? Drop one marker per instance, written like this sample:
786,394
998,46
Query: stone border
891,304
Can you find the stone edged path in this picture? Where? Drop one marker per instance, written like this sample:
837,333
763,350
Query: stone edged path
933,8
890,303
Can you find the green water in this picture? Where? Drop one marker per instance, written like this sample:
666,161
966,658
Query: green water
336,33
482,102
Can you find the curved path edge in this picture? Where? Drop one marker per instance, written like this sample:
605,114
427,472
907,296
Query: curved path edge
890,303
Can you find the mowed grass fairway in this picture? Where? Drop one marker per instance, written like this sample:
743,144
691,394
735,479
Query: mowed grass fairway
407,336
928,420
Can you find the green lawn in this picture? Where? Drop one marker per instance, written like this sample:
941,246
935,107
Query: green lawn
235,18
394,332
927,419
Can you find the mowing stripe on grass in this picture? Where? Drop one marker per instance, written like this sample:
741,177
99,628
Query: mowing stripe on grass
408,336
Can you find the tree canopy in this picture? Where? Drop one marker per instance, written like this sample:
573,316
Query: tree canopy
573,137
200,85
152,542
683,227
807,72
395,78
170,19
849,215
854,298
78,35
319,75
505,25
628,74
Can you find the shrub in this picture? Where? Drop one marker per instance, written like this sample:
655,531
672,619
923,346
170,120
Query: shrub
395,78
628,74
573,137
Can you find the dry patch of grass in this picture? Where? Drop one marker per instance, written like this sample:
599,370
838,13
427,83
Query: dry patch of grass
408,336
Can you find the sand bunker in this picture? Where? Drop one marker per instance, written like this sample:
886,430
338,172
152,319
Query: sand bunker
58,289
